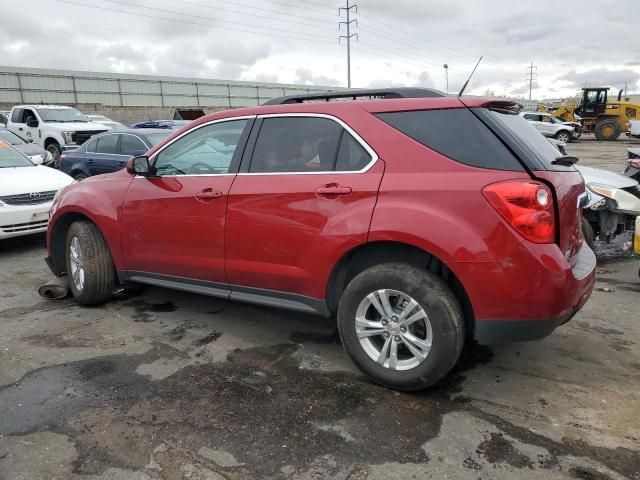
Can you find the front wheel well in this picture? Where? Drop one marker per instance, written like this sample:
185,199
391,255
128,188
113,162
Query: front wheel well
368,255
49,141
58,239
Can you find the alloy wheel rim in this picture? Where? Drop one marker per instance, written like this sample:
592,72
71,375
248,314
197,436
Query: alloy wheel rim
393,329
77,266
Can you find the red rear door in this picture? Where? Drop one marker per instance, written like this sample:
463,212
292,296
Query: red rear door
292,216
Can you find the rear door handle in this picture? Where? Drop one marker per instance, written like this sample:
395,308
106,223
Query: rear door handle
20,128
208,194
332,190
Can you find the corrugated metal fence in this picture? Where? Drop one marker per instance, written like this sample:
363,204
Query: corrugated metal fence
33,85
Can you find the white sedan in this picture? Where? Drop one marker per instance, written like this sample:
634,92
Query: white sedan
26,193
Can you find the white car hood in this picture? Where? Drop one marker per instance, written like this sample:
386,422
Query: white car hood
76,126
19,180
595,175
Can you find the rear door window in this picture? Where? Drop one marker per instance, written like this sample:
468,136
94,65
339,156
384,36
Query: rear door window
107,144
296,144
130,144
457,134
351,156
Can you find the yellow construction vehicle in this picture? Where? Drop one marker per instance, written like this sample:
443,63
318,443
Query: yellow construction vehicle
599,114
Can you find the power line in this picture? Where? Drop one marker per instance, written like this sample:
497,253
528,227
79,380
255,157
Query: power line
173,12
207,26
251,7
349,35
469,58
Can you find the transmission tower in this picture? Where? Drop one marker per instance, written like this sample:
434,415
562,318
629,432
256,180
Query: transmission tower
349,20
532,74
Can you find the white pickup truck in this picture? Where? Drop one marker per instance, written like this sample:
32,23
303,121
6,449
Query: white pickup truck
54,127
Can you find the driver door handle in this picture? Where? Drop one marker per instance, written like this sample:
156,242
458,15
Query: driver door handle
333,189
208,194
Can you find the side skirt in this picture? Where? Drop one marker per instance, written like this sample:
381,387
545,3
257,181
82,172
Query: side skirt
258,296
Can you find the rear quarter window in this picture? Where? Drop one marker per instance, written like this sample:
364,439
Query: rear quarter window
457,134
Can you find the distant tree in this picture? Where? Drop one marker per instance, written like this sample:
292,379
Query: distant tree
489,93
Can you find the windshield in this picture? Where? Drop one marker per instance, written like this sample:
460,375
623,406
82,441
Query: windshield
10,157
10,138
155,138
61,115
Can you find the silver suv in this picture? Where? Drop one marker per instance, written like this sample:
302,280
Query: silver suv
552,126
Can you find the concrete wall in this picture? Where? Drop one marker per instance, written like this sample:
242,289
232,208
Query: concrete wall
36,85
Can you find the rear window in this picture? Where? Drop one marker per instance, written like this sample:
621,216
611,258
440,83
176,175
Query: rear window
525,133
457,134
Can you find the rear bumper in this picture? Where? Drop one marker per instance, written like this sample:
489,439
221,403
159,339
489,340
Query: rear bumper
492,332
526,297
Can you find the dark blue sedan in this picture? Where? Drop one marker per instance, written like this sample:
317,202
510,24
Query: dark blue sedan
110,151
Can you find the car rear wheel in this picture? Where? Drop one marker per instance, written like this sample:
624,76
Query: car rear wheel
89,264
79,176
401,325
563,136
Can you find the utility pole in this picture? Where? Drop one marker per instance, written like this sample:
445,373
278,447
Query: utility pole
531,73
349,35
446,74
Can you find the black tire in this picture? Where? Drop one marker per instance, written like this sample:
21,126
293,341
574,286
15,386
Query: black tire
436,299
602,128
54,149
564,136
99,272
587,232
79,176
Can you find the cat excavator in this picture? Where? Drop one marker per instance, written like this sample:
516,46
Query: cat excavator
604,116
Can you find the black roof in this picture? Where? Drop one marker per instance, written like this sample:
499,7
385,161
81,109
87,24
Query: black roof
354,94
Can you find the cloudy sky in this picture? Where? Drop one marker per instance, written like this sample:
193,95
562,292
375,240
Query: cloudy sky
400,42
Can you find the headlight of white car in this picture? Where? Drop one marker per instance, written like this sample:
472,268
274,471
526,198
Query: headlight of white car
621,201
68,137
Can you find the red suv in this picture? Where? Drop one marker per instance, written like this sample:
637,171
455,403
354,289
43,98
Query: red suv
421,223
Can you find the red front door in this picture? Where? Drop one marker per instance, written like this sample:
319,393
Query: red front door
175,226
173,222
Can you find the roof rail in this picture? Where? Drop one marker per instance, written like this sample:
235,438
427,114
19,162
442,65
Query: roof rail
354,94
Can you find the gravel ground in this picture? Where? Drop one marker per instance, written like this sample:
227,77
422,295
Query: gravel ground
167,385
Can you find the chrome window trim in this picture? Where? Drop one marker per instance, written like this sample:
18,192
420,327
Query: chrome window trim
353,133
153,158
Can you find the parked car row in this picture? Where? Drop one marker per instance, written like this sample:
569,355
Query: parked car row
60,129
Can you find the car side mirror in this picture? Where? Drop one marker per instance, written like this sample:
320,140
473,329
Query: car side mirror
32,123
139,166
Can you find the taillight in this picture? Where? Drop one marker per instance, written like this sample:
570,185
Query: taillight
526,205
